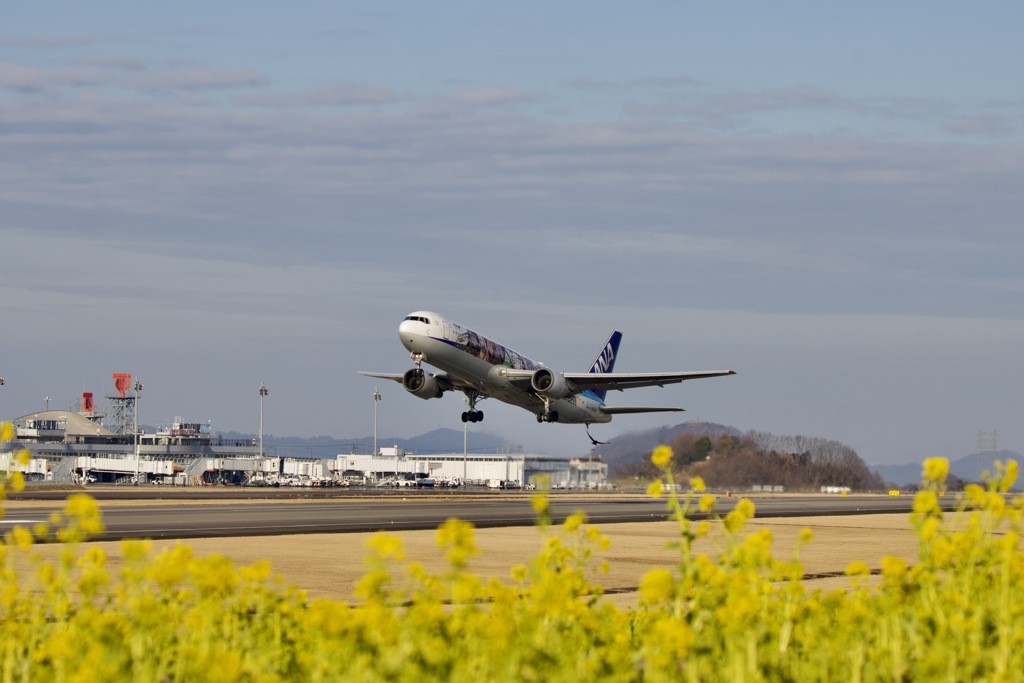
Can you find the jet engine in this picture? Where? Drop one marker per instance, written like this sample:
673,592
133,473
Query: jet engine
550,384
419,383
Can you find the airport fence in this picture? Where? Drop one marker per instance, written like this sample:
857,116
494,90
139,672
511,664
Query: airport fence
745,615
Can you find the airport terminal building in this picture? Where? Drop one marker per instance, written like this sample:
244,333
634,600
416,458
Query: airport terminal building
74,447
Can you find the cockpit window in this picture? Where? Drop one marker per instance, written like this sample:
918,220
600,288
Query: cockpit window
418,318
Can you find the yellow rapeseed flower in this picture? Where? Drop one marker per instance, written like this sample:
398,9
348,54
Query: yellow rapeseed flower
85,512
21,538
6,432
540,504
1008,476
698,484
894,566
574,521
388,546
656,489
662,456
857,568
935,470
926,502
706,503
657,586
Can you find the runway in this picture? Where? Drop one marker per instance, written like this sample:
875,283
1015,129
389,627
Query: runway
273,515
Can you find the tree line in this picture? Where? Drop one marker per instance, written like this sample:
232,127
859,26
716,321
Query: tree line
761,458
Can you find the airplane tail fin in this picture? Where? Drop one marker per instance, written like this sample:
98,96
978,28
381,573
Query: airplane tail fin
605,360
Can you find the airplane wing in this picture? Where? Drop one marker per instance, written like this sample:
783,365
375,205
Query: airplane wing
629,410
445,381
606,381
394,378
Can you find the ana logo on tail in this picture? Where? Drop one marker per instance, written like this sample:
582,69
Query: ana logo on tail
605,360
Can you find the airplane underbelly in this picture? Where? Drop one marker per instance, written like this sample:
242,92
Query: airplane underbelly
572,412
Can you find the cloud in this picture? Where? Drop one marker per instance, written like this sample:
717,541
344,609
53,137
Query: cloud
487,97
204,79
327,96
113,62
50,42
28,79
988,125
669,82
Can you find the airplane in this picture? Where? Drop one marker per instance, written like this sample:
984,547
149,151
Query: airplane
481,368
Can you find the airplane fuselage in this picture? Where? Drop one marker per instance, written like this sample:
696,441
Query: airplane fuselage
484,364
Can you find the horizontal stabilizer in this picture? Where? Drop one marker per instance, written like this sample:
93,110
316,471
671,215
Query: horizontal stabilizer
627,410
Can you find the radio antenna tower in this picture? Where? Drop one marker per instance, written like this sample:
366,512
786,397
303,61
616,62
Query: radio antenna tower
122,406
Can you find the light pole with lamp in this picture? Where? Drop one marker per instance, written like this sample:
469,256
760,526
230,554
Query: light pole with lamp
263,392
138,388
376,400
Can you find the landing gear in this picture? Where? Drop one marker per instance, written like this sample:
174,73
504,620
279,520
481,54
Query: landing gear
417,372
472,415
548,415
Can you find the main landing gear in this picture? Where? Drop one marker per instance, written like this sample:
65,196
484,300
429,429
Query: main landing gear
548,415
472,415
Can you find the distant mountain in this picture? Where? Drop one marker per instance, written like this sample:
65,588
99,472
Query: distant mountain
968,468
632,446
327,447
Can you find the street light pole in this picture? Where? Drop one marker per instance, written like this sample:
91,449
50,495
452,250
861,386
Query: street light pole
376,400
263,392
138,388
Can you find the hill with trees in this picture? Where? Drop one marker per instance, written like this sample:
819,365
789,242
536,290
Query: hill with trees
726,458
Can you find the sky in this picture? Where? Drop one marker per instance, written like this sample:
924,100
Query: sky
827,199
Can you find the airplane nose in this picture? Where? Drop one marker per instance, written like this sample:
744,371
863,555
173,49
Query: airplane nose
409,332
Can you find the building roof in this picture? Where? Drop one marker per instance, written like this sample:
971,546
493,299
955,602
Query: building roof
76,423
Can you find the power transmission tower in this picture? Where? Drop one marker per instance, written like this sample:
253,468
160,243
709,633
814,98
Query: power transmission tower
987,442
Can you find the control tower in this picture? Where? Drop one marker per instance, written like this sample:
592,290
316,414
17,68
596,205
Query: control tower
121,411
